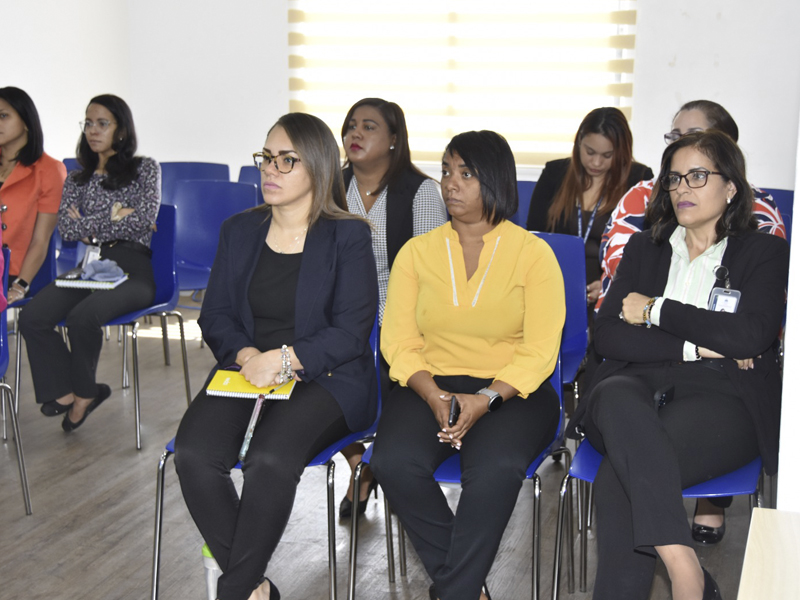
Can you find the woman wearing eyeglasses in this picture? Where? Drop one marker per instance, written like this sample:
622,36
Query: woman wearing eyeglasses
292,294
708,526
384,187
690,388
575,195
30,190
112,203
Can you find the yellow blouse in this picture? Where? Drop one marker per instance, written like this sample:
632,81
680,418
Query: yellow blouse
503,323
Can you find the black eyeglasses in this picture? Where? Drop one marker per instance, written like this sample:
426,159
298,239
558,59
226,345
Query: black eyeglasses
283,162
694,179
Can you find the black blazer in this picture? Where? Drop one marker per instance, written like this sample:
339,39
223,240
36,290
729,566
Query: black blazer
399,209
549,183
758,266
335,303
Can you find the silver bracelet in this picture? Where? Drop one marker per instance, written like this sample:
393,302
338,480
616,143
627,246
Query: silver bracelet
286,365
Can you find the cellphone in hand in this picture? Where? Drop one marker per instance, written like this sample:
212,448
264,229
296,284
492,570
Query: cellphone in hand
455,411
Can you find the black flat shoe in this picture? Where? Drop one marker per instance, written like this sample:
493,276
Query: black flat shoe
53,408
703,534
710,589
103,392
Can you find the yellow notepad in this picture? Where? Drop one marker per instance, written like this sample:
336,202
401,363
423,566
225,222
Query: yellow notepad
232,384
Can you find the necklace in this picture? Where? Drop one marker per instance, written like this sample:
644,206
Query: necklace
291,248
366,192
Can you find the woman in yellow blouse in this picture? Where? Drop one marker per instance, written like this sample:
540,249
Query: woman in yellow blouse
474,310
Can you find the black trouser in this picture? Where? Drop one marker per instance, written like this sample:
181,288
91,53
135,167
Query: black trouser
58,370
242,533
650,456
458,550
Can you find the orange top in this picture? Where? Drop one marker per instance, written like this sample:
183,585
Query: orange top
27,192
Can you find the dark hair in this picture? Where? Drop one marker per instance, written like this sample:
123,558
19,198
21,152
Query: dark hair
319,154
728,160
123,167
400,157
716,115
26,109
488,156
611,124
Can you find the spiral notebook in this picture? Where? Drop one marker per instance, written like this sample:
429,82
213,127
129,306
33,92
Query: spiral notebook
65,281
232,384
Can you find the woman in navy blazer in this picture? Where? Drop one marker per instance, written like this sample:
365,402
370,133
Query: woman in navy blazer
688,391
292,294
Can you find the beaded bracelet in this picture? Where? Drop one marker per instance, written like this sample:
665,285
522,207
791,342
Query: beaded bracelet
286,365
646,312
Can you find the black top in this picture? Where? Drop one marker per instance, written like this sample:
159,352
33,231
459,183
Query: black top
545,192
271,296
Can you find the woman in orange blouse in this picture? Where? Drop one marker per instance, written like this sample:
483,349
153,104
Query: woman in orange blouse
31,189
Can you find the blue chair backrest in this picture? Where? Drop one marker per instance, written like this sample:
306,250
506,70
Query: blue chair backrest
3,318
202,207
252,175
570,253
47,272
71,164
70,254
164,258
525,190
784,199
172,172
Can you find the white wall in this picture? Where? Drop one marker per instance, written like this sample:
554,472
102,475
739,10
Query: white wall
742,54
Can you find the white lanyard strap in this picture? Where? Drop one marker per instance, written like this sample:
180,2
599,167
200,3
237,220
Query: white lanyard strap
453,274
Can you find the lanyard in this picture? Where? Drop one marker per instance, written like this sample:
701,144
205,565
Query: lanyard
591,220
453,273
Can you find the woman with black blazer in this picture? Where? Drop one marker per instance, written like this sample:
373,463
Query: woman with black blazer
590,183
690,388
292,294
400,201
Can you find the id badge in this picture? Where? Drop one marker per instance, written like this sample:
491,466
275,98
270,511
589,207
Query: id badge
92,254
724,300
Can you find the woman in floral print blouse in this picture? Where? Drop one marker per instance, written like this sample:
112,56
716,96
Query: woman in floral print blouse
111,203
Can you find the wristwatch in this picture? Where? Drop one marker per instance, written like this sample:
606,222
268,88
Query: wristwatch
495,399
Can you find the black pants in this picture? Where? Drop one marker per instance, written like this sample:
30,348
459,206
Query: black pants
458,550
650,456
58,370
244,532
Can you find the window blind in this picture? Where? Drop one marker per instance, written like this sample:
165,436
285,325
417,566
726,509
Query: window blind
527,69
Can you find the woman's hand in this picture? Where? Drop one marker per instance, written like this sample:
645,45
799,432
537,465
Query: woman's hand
73,212
439,401
593,291
706,353
745,363
633,308
15,293
473,407
262,369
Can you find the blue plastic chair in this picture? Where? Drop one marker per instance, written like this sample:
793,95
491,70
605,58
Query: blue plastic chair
71,164
449,473
47,273
202,207
7,396
525,190
324,458
68,254
745,480
173,172
570,253
251,174
784,199
164,304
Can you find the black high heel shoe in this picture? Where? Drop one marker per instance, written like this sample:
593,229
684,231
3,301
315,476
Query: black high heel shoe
703,534
274,593
710,589
346,505
103,392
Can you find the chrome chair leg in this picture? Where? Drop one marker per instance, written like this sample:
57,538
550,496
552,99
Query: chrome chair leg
351,577
179,316
6,396
537,522
562,500
125,382
401,548
159,517
332,533
387,511
164,337
136,398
